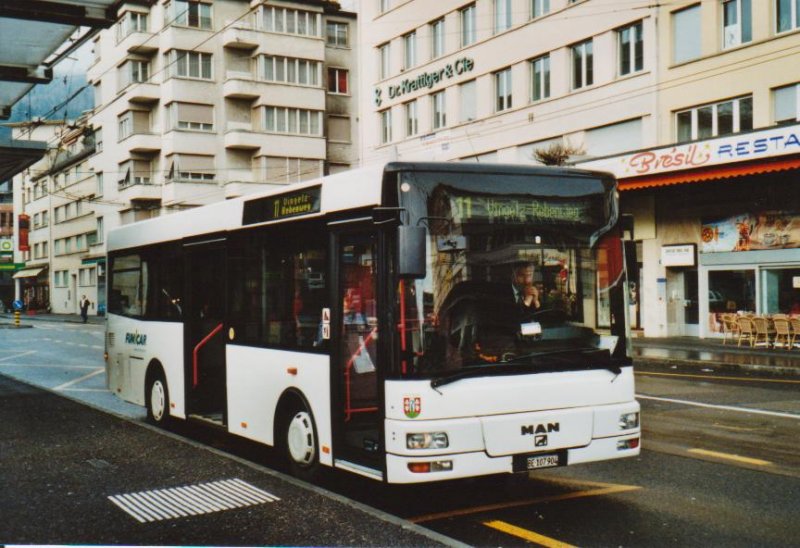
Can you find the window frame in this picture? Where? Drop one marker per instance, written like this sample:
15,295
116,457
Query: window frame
337,41
438,43
542,89
439,110
539,8
336,80
793,16
584,77
468,20
632,51
503,90
410,50
502,16
411,111
695,124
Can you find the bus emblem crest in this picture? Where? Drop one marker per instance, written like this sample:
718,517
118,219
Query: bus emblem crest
412,406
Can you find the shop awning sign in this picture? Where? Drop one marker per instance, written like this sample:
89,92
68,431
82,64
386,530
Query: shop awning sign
770,143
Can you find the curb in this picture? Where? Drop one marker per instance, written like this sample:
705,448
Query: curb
769,370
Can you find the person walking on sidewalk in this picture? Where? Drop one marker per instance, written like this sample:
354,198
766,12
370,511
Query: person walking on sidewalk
84,304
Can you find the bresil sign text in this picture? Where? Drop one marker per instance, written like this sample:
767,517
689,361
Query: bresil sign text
426,80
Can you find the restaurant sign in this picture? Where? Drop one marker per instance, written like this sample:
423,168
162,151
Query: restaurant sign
751,231
724,150
426,80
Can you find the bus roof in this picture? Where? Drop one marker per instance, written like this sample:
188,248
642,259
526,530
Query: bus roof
347,190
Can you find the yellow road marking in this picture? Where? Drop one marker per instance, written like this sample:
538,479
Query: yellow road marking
527,535
738,458
609,489
690,375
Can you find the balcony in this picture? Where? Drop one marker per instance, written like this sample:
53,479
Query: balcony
243,138
144,92
192,193
147,143
241,35
141,189
143,43
241,85
235,189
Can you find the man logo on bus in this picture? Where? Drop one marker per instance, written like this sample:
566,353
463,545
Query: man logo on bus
412,406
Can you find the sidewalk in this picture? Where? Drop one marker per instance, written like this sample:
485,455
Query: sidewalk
26,318
693,351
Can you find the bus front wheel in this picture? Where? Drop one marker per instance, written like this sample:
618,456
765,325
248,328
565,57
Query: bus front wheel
157,396
300,443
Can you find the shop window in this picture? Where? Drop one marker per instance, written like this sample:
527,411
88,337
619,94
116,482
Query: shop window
731,291
780,291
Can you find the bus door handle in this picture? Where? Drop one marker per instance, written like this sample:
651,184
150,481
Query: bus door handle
195,373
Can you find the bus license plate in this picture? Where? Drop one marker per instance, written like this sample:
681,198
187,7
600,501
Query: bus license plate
543,461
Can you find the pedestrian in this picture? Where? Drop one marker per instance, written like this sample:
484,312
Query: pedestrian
84,304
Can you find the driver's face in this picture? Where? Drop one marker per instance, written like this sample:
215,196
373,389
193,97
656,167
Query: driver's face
523,276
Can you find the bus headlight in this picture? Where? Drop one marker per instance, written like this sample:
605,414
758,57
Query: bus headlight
427,440
628,421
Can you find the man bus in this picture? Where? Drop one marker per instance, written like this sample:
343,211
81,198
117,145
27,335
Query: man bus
367,321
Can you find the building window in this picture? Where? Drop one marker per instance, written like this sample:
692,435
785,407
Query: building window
412,121
686,34
99,183
337,80
98,140
437,38
502,15
631,49
736,23
190,168
409,50
788,14
189,64
290,70
715,120
190,116
289,21
131,22
469,101
100,231
540,78
282,170
133,72
132,172
125,126
439,110
786,104
539,8
191,14
502,87
339,129
468,30
384,5
384,60
296,121
336,34
386,126
582,65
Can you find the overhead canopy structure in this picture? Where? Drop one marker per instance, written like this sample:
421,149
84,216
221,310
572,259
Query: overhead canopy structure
37,34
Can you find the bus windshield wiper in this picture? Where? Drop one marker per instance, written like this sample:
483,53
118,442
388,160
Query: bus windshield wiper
513,366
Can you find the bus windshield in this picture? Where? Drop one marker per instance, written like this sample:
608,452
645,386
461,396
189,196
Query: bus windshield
523,274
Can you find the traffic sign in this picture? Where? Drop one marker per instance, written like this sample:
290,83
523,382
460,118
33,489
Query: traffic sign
17,305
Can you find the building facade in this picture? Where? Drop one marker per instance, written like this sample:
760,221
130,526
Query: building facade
506,80
195,102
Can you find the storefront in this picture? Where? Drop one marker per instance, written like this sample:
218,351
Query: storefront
34,288
718,223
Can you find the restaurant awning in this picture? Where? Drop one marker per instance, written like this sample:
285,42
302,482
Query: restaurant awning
28,273
708,174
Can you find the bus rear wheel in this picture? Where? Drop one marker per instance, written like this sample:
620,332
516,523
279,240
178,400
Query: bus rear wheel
300,447
157,395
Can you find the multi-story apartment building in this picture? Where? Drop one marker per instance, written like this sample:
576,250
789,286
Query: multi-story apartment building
195,102
503,80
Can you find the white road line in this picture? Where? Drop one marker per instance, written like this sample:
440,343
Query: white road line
81,379
17,355
48,366
725,407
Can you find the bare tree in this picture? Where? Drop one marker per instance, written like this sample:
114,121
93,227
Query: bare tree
556,154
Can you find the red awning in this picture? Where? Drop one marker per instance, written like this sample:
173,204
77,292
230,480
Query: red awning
708,174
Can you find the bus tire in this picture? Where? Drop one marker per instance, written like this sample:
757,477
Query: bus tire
299,442
157,398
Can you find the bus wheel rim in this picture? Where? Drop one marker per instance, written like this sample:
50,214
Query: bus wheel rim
300,438
157,400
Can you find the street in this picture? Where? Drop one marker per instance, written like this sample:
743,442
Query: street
719,465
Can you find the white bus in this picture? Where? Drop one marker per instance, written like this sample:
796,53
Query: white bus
370,321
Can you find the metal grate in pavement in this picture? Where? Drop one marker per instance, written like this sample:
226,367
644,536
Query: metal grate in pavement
192,500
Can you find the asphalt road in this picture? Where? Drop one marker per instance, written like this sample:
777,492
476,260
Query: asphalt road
719,465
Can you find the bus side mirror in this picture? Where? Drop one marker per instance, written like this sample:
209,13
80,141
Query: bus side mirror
411,251
631,261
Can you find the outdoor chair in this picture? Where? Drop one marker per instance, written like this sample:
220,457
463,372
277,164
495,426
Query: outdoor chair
747,331
761,326
794,324
783,333
729,327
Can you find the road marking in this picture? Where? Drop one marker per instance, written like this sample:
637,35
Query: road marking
524,534
737,458
17,355
177,502
48,366
723,407
715,377
601,489
81,379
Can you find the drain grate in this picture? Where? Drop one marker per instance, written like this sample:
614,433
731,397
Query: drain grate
192,500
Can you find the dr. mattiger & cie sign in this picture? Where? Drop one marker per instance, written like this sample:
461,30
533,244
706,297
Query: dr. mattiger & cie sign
426,79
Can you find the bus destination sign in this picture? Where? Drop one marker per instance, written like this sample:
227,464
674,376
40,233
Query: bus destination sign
282,206
524,209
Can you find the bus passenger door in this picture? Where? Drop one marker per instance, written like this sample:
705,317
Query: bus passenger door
358,412
204,335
